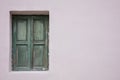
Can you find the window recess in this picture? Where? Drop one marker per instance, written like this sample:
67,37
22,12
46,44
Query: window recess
30,42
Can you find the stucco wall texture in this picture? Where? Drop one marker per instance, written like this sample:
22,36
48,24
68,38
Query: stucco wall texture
84,42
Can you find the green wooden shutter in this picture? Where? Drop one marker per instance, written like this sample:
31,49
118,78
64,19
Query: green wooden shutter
21,43
30,42
39,42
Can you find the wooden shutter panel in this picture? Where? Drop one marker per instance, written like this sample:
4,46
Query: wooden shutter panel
40,42
21,43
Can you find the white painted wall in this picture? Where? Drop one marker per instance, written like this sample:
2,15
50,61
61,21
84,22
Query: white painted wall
84,39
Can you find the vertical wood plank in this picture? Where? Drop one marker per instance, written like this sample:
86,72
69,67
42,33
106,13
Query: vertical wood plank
13,43
31,41
46,56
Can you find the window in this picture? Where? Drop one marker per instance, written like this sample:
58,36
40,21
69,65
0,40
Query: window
30,42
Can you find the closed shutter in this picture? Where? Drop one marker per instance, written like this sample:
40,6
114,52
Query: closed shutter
30,43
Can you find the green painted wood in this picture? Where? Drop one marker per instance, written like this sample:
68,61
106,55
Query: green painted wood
22,56
30,43
13,43
31,38
21,29
38,55
40,43
38,30
45,56
20,43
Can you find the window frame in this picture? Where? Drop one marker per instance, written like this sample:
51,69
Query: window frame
31,13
